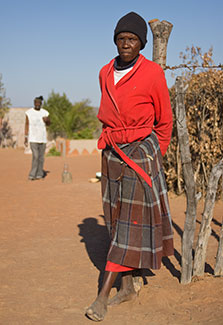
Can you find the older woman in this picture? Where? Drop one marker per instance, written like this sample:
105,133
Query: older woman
137,123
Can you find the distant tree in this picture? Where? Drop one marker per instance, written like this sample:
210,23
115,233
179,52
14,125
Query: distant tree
6,136
81,121
5,129
58,106
77,121
4,102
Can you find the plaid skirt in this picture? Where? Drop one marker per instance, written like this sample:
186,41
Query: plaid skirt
137,215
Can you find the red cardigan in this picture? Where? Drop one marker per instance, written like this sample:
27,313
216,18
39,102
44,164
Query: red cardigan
129,109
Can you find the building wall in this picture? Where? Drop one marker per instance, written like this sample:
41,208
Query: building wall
72,148
16,118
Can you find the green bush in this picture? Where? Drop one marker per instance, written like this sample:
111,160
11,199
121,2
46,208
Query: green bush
71,121
83,134
53,152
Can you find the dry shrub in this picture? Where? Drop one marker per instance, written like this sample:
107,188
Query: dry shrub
204,111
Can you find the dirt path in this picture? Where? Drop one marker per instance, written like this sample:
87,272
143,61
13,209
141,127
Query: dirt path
53,243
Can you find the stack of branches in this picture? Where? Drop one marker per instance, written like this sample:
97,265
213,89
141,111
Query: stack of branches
204,110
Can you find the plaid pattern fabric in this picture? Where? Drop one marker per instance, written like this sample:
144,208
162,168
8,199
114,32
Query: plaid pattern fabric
137,216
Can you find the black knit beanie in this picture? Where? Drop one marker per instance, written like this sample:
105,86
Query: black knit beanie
132,23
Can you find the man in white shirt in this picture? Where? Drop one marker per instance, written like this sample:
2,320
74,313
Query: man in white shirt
35,132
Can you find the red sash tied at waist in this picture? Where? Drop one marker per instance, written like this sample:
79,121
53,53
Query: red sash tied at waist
109,135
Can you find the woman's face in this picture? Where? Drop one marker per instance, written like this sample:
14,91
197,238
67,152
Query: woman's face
128,45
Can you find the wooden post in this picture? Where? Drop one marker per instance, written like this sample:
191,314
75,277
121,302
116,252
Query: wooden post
218,271
179,168
190,221
161,31
205,228
66,175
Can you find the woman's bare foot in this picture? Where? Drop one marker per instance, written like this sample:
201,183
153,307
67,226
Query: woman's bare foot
122,296
127,291
97,310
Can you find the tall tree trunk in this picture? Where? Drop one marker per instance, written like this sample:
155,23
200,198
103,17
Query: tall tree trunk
205,229
190,221
218,271
161,31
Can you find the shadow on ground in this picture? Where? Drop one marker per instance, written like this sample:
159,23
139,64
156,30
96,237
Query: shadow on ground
96,239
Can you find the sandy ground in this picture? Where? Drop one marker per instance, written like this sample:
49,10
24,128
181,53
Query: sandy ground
53,248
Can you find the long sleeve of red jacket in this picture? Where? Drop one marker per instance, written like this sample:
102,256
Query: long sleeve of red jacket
163,112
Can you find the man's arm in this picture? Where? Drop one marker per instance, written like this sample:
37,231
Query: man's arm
46,119
26,131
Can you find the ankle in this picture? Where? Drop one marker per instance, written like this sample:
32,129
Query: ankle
102,298
129,289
